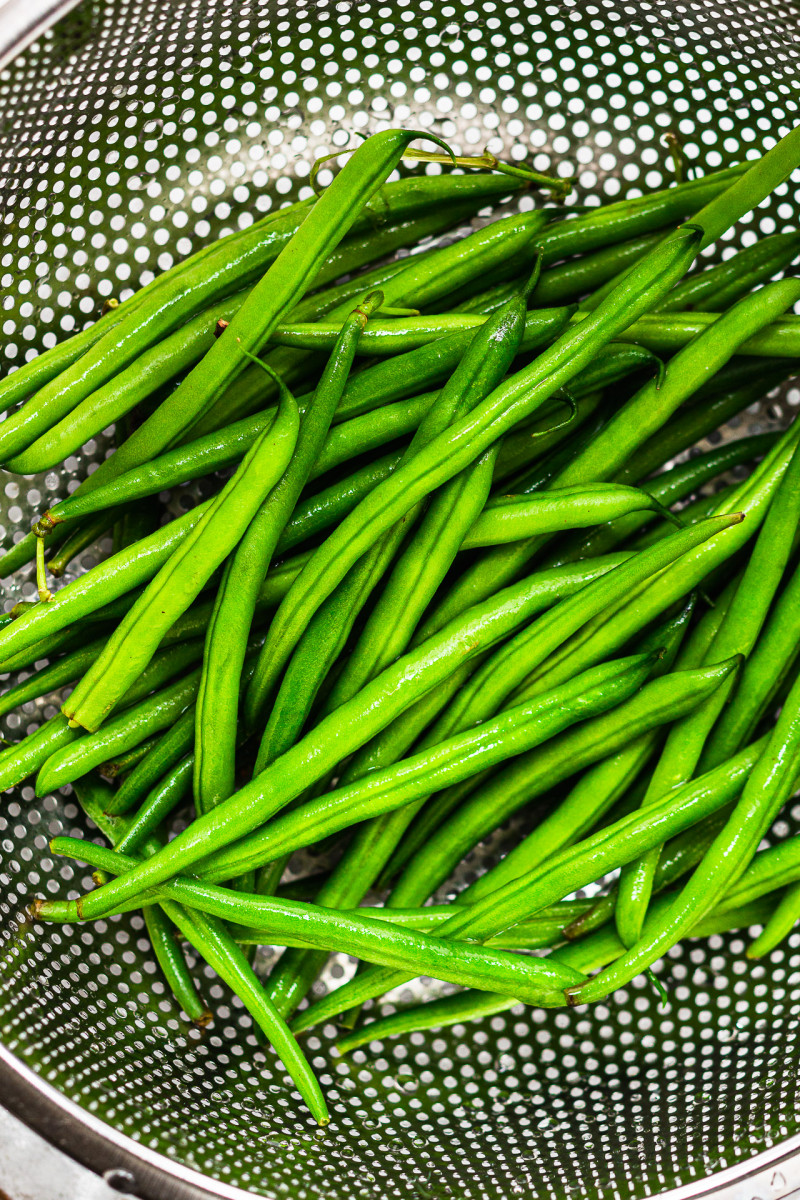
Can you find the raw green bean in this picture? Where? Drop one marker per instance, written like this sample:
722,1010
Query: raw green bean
472,1005
737,635
212,940
382,791
126,761
337,736
532,774
186,572
676,484
160,801
59,673
630,426
530,979
234,609
720,286
166,752
481,369
779,925
570,869
511,518
279,289
128,729
169,957
451,450
332,504
765,791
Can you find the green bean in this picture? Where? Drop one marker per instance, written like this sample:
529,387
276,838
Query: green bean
59,673
149,371
34,374
660,701
765,791
107,582
158,712
174,786
779,925
510,518
483,366
279,289
450,451
631,425
720,286
234,609
186,572
471,1005
336,736
602,785
332,504
213,942
406,374
32,752
530,979
517,658
173,965
91,795
457,758
675,484
737,635
126,761
570,869
170,748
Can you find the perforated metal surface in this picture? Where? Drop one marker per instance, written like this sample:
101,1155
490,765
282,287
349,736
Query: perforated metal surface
131,134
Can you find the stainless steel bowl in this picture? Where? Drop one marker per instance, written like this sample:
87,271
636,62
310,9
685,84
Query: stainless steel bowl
133,131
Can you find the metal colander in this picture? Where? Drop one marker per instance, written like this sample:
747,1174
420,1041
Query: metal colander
132,132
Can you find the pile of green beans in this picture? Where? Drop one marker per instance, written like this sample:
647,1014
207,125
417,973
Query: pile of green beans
448,571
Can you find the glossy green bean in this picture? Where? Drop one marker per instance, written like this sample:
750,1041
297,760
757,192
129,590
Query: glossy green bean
167,751
511,518
588,955
128,729
721,285
483,366
186,572
765,791
628,428
113,578
453,449
737,635
56,675
278,290
396,689
530,979
532,774
126,761
570,869
382,791
169,791
215,944
32,752
234,609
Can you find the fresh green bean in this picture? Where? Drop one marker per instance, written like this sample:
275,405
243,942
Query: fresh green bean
212,940
630,426
511,518
128,729
720,286
186,572
337,736
737,635
453,449
765,791
457,758
570,869
170,748
471,1005
659,702
170,790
